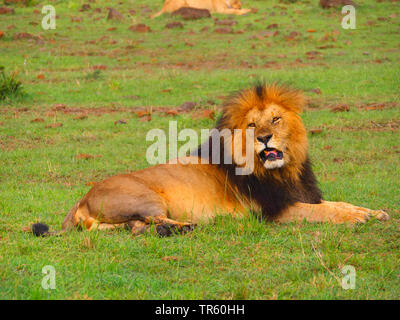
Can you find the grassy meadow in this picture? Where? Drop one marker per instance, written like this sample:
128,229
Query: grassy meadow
88,87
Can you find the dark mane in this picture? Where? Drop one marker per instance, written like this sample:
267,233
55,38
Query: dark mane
270,194
276,189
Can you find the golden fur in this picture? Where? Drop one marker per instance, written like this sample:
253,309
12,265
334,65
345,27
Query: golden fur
247,107
214,6
283,188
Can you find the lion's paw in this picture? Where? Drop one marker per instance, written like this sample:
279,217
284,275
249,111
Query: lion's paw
361,215
347,212
244,11
380,215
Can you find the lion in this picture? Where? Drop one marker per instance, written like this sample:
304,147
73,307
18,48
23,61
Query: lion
176,196
214,6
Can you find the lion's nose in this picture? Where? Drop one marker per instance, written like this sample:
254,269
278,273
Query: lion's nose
264,139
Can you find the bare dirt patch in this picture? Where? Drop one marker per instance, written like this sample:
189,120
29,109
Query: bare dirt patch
191,13
389,125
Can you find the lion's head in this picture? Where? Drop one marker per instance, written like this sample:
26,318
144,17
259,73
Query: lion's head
280,139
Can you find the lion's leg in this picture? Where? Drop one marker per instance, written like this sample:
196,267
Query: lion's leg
120,201
345,205
106,226
162,225
115,202
139,224
138,227
334,212
166,227
91,223
238,12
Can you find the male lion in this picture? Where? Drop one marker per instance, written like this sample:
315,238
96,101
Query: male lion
214,6
173,197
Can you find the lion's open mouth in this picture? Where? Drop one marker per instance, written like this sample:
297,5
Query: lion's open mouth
271,154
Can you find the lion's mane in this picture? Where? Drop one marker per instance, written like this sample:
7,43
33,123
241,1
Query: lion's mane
273,190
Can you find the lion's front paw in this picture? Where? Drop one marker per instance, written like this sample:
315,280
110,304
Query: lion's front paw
360,215
346,212
244,11
380,215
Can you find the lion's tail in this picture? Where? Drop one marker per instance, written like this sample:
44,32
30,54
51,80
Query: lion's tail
42,230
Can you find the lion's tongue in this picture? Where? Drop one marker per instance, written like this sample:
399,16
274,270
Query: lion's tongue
272,154
267,153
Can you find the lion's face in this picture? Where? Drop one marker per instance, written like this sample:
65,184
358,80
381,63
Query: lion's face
271,135
280,140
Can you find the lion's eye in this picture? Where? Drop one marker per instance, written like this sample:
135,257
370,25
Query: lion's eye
276,119
252,125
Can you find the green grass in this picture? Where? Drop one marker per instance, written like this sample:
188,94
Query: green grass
356,156
10,87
